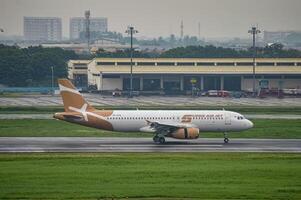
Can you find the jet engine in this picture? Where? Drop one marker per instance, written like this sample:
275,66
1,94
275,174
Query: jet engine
185,133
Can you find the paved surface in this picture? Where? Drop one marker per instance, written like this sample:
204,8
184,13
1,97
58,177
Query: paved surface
99,100
26,116
84,144
50,116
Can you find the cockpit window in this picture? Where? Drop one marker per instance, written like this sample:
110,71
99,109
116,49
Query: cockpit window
240,117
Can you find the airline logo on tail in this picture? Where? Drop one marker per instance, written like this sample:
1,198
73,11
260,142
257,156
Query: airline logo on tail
66,89
82,110
72,99
85,113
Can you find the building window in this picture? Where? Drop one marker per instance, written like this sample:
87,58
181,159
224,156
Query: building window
125,63
146,63
105,63
206,64
292,77
185,63
166,63
285,64
265,64
80,67
251,77
244,64
225,64
110,76
272,77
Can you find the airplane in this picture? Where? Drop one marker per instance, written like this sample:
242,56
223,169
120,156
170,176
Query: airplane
179,124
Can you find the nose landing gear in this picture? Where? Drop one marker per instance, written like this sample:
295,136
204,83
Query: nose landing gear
226,139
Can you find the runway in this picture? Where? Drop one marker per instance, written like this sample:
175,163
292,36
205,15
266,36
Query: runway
93,144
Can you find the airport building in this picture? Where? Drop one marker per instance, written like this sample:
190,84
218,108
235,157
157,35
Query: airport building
42,28
180,75
78,25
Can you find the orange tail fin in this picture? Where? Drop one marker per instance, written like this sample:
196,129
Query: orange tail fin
72,99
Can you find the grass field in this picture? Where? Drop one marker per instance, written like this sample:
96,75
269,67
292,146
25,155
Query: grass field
240,109
264,128
151,175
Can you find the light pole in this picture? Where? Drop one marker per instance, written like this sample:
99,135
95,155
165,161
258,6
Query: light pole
254,31
131,31
52,81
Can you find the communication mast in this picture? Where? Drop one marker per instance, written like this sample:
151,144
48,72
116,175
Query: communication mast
87,23
199,30
182,29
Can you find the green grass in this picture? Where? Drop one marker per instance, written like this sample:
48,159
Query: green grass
240,109
151,175
30,109
54,128
268,128
264,128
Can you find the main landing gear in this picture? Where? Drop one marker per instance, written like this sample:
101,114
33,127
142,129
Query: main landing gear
226,139
159,139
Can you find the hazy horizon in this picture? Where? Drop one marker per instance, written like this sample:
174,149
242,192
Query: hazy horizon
217,18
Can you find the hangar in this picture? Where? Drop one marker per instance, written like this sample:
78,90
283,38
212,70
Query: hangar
181,75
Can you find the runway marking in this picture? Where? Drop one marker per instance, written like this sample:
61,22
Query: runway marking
159,145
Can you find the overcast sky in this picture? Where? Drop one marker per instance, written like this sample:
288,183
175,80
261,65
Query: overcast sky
218,18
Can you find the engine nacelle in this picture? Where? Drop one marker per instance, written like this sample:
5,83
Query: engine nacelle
185,133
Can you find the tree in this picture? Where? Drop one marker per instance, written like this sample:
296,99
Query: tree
32,66
209,51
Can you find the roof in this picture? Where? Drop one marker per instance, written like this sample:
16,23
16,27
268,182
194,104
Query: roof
196,65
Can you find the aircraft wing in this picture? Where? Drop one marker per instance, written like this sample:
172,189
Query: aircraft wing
158,126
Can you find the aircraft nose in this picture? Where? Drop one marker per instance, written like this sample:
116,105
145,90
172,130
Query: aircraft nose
250,124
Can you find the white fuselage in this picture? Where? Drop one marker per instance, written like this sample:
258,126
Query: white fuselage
205,120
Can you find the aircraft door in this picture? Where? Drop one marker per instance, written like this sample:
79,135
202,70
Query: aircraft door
227,118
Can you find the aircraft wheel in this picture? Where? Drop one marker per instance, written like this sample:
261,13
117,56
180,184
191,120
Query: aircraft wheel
161,140
226,140
156,139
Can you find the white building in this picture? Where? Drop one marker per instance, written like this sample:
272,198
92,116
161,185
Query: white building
179,74
42,28
277,36
78,25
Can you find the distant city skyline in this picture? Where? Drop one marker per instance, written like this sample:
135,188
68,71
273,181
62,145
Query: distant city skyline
78,25
42,28
217,18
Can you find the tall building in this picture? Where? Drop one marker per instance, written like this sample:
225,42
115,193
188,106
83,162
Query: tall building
43,28
78,25
277,36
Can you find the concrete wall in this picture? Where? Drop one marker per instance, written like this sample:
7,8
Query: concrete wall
112,83
291,83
